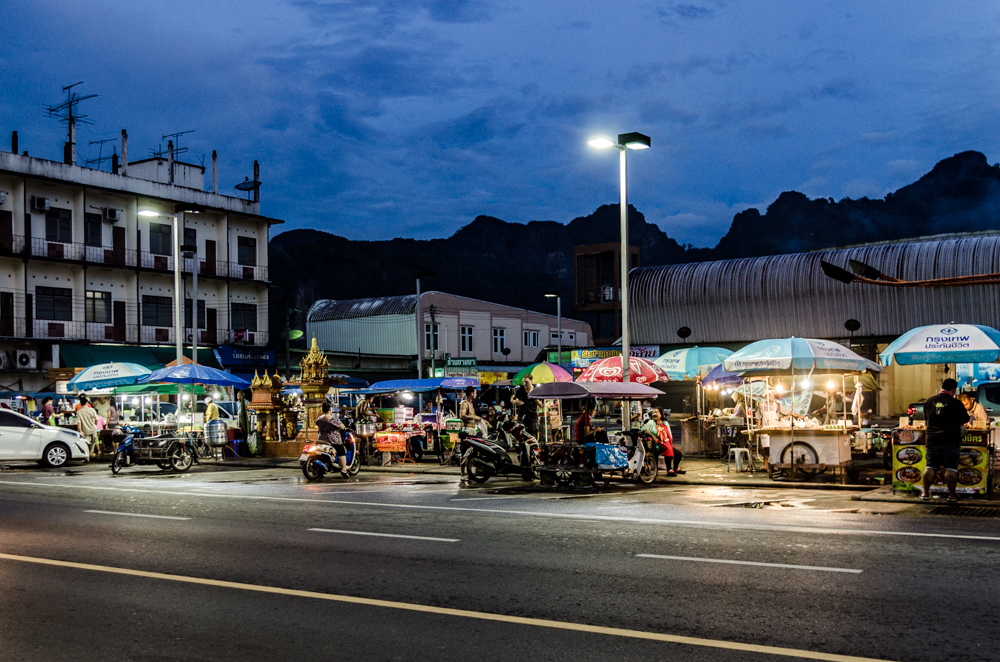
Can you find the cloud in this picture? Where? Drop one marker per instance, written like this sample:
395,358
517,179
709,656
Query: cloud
863,188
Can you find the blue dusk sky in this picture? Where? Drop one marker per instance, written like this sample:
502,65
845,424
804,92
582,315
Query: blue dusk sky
377,119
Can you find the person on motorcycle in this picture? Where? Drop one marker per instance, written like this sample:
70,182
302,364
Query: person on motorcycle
659,430
329,426
467,412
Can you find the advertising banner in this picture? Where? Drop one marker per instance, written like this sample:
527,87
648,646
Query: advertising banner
974,373
909,460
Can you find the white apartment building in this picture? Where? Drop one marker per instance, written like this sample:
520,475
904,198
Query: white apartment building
86,258
452,325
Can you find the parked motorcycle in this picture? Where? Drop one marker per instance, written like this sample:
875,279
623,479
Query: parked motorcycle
490,457
320,458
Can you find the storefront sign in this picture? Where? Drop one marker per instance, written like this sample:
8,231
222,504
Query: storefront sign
650,352
231,355
466,367
486,378
581,358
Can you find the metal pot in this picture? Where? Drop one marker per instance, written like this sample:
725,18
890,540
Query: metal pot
216,433
365,429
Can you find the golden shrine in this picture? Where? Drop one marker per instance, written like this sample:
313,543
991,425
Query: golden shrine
277,420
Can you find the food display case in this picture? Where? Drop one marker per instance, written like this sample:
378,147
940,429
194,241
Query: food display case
809,448
975,465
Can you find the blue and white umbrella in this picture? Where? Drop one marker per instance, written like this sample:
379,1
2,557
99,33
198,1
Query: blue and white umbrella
690,362
195,373
799,355
944,343
107,375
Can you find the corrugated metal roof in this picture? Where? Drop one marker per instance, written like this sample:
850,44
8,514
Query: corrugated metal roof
786,295
332,309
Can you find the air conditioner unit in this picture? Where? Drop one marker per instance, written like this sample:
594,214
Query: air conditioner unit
39,204
188,337
27,359
112,214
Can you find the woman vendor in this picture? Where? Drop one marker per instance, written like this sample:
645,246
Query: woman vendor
656,427
583,433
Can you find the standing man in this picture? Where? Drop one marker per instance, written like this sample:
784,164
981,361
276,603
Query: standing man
945,416
86,424
527,407
211,410
467,412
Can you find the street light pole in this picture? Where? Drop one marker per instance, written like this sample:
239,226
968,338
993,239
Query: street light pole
558,324
626,141
420,324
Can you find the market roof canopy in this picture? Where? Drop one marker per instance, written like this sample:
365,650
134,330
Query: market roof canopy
603,390
690,362
944,343
800,355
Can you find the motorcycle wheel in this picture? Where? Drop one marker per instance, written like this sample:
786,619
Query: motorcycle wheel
477,474
355,466
564,473
181,459
117,462
311,470
649,469
416,450
601,478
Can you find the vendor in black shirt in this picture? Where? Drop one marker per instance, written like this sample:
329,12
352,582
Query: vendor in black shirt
945,415
528,408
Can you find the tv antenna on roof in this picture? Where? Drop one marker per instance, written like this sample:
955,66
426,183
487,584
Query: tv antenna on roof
100,153
176,137
66,112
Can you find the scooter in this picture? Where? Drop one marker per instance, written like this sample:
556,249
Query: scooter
489,457
320,458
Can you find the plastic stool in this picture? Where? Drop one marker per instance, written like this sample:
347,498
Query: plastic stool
737,454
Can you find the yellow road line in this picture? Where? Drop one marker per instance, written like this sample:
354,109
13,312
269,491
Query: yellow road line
461,613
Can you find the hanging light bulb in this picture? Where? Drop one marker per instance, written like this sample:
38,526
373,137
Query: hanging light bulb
830,385
779,388
806,383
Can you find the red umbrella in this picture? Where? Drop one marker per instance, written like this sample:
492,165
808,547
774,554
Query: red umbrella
641,371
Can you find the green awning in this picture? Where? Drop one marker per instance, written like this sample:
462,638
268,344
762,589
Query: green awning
84,356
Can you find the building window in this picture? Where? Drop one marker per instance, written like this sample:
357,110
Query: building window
98,307
159,239
191,238
531,338
53,303
567,337
466,335
499,340
430,337
157,311
246,251
244,316
59,225
201,314
92,230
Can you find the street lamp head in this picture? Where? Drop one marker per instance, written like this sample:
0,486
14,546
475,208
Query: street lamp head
148,212
426,274
552,295
634,140
600,142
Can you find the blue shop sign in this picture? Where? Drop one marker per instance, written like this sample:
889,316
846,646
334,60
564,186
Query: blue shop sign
232,355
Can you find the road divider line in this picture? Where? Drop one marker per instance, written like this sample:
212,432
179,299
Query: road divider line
701,524
756,563
109,512
458,613
385,535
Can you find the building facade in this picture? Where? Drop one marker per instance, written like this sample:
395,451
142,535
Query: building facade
597,288
454,326
86,258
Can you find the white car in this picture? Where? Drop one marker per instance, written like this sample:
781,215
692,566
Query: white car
23,439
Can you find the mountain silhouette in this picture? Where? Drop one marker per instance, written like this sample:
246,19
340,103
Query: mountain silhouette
514,263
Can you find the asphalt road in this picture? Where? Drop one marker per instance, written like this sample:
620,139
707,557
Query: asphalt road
229,564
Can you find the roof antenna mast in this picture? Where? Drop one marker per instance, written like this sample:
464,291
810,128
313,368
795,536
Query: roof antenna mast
67,112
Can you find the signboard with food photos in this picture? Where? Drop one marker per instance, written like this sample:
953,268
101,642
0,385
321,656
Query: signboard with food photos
909,461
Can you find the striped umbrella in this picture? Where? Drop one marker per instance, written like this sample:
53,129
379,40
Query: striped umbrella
543,373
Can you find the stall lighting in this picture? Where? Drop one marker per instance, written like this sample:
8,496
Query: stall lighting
186,396
831,385
406,396
779,388
806,383
135,401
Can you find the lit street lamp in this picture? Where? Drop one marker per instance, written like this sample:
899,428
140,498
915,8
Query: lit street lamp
626,141
558,322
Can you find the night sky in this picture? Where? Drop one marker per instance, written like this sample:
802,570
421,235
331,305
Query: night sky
411,117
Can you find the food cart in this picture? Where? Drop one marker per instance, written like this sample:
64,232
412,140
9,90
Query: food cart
567,463
944,344
803,445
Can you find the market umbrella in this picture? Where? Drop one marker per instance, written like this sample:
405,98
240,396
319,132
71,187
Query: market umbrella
107,375
796,355
195,373
543,373
944,343
718,376
690,362
641,371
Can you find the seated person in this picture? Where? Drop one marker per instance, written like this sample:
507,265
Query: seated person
582,432
659,429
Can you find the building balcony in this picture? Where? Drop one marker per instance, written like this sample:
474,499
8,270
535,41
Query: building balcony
12,244
101,332
12,327
59,329
56,250
247,272
121,257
